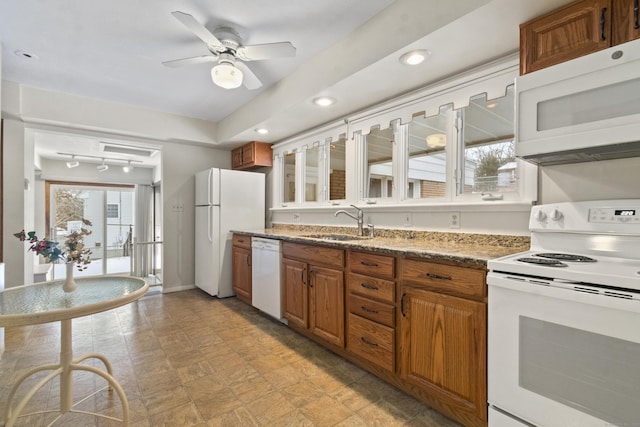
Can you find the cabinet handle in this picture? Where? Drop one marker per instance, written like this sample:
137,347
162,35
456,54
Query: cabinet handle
249,261
636,8
603,20
368,264
438,276
367,342
304,271
402,305
368,310
367,286
240,241
311,276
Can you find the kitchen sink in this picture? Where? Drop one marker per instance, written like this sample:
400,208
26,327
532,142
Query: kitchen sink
336,237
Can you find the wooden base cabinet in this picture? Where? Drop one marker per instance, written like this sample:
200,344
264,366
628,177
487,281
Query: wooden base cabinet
241,267
313,293
443,336
443,348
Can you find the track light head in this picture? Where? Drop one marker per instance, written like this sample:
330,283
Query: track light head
102,167
73,162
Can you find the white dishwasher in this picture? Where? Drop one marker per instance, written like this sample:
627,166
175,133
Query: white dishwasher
266,292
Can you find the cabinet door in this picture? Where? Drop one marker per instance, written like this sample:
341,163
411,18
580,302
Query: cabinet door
236,158
443,348
241,273
296,293
248,154
626,21
569,32
327,304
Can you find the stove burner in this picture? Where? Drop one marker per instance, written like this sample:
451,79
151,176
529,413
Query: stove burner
566,257
542,261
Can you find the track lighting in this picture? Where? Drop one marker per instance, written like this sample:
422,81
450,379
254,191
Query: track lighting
73,162
128,167
102,167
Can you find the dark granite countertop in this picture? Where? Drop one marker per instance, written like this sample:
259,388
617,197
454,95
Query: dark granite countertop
467,248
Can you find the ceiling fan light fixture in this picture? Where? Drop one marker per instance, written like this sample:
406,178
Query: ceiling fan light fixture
73,163
226,76
127,168
436,140
415,57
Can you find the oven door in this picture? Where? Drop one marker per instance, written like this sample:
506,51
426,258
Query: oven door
561,357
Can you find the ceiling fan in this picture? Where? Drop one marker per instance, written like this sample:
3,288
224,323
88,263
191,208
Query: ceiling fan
228,51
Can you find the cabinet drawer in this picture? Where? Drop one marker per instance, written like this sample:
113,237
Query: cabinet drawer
372,310
318,255
371,341
371,287
242,241
465,282
373,265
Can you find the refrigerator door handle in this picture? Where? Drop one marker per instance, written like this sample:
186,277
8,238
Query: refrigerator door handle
210,188
209,224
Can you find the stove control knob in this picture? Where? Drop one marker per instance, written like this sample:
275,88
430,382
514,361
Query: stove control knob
556,215
540,216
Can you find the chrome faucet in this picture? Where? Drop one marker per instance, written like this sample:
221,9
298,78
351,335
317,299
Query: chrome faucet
359,218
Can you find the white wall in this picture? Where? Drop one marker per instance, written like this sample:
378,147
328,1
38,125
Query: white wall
181,159
607,179
180,162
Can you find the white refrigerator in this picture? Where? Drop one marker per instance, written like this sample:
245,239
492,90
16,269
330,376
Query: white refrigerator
225,200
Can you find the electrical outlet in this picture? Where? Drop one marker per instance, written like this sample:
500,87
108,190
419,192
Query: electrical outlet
296,217
406,219
454,220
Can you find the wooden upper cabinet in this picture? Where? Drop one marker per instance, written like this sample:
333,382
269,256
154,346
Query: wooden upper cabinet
236,158
252,155
625,21
577,29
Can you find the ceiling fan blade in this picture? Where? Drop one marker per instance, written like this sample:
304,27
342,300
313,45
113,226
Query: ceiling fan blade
197,28
259,52
249,80
190,61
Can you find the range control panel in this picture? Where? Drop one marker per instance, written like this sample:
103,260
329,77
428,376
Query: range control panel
615,215
598,216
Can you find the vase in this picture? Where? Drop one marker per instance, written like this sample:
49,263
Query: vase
69,284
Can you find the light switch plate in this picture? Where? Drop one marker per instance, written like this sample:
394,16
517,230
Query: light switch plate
406,219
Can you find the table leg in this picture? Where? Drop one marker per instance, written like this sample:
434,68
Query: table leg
66,358
65,369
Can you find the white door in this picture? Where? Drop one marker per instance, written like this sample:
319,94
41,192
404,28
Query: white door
208,248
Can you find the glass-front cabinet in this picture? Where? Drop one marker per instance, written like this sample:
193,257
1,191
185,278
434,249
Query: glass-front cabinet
452,144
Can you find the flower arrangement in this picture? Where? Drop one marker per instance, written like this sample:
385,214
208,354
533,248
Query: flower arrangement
74,252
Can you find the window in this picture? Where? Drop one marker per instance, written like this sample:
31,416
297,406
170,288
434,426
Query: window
337,169
289,181
427,147
379,164
488,146
312,166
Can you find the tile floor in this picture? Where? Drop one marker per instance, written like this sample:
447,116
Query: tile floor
186,359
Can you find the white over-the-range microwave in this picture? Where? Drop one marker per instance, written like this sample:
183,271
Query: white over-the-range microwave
581,110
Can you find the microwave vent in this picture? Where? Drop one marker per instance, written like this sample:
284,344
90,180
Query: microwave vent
603,152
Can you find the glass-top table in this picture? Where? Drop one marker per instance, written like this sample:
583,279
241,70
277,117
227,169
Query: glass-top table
47,302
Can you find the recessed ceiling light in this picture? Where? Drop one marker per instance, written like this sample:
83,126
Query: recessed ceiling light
494,105
262,131
324,101
26,55
415,57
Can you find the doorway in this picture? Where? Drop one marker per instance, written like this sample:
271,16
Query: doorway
111,211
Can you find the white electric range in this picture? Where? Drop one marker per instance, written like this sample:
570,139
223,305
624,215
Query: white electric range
564,320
